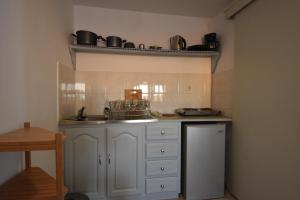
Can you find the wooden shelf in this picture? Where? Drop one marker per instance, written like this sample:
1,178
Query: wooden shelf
214,55
27,139
32,184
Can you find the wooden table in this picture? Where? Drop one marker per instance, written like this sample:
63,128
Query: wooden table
33,183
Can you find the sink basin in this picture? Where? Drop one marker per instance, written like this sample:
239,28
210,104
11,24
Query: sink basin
101,119
88,118
95,118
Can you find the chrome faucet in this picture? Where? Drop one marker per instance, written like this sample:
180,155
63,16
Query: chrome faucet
80,115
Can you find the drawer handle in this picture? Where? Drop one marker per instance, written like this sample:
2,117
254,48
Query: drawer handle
162,169
162,150
162,186
162,132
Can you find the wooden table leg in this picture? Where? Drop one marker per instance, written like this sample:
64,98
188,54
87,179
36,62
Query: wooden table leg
59,166
27,160
27,153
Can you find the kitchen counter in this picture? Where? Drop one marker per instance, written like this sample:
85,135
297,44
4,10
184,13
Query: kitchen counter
177,118
152,148
195,118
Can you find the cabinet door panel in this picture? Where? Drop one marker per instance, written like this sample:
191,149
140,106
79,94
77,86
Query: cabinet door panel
85,167
85,155
125,160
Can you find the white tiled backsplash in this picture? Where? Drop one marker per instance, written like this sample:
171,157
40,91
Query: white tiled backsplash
67,93
166,91
222,91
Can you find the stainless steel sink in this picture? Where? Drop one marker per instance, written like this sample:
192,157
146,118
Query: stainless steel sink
101,119
95,118
88,118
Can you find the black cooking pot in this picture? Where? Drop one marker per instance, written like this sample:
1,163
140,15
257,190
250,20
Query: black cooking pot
129,45
113,41
86,38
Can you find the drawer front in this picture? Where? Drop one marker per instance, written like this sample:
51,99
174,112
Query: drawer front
161,150
162,167
163,131
155,185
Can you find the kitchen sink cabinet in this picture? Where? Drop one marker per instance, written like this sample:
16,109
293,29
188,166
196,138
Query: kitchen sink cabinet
85,161
125,160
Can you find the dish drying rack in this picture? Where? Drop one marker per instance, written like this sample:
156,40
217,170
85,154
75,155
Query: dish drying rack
129,109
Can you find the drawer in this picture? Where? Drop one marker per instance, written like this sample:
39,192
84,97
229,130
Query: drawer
161,150
162,131
155,185
161,167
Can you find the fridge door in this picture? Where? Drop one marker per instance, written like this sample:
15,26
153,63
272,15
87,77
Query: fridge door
205,161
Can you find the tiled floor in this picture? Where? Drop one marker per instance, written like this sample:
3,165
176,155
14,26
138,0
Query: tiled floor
227,197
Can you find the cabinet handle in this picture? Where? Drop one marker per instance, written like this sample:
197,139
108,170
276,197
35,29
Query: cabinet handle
162,150
109,158
162,169
162,186
162,132
99,160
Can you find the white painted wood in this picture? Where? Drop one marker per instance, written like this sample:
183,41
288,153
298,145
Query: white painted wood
160,131
170,157
125,160
162,150
84,161
161,167
156,185
126,171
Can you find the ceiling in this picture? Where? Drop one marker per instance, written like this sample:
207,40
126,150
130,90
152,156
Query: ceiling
195,8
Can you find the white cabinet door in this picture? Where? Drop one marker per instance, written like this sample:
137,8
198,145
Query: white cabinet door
85,161
125,160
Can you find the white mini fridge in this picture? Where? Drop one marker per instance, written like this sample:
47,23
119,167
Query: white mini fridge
203,156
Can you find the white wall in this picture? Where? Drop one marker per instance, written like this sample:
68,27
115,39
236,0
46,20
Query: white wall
225,33
139,27
12,78
150,29
222,79
266,106
149,64
35,38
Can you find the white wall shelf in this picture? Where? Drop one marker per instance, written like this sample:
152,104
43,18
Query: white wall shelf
144,52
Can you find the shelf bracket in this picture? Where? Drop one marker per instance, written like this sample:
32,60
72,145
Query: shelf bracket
214,62
73,57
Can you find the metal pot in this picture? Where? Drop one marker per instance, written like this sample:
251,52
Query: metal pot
113,41
129,45
141,46
86,38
